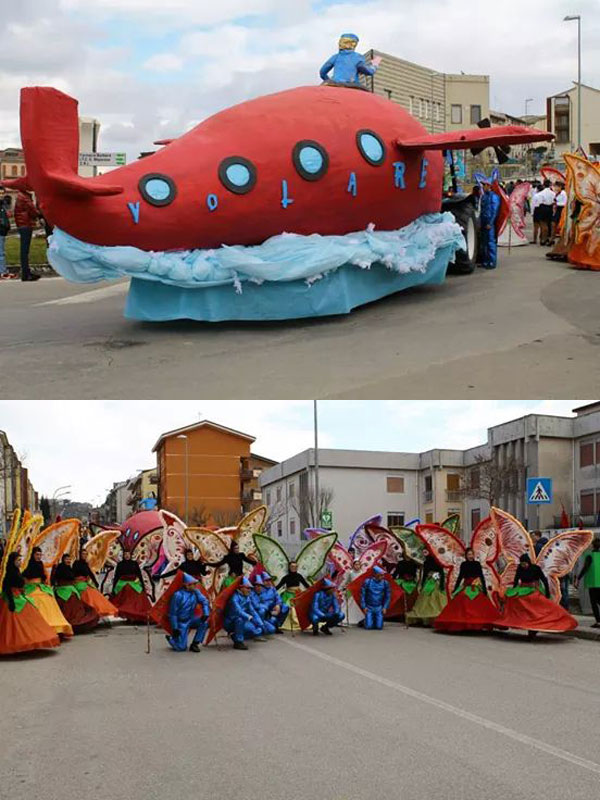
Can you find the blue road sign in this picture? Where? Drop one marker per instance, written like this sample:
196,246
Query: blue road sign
539,491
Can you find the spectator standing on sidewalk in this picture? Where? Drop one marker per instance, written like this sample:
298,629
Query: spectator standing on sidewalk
4,230
26,216
591,574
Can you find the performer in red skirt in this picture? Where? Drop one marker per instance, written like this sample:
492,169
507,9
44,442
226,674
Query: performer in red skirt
526,608
22,627
470,608
80,616
129,594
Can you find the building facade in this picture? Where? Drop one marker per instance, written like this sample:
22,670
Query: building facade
431,486
140,487
16,490
207,473
562,119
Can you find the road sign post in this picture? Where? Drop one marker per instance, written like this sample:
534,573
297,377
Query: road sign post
539,491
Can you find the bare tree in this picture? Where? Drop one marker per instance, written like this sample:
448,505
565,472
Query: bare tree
225,517
489,480
309,512
198,516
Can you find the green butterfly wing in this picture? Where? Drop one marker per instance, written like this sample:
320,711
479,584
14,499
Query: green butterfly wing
272,556
452,524
413,546
311,558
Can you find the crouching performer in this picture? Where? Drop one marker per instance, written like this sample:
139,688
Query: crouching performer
257,600
276,609
375,599
325,609
240,620
183,615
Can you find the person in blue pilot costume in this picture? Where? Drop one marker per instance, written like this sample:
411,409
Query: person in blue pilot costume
182,615
325,609
257,600
276,609
375,596
490,208
347,65
240,618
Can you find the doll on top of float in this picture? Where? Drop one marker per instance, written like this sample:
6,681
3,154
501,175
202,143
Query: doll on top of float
347,64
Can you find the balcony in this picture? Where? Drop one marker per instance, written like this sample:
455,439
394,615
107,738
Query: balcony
453,495
427,497
246,475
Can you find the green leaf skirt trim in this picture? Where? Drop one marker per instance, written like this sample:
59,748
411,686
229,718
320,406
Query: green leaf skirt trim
135,585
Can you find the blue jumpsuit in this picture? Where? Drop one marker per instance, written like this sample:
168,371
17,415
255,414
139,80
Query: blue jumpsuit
240,619
260,612
270,598
347,65
325,609
490,208
182,617
375,600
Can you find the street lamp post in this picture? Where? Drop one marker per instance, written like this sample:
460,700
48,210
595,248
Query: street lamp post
317,491
572,18
187,477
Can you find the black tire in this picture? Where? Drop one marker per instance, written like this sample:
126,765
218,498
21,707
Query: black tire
465,214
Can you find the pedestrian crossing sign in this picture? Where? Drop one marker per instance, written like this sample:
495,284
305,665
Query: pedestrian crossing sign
539,491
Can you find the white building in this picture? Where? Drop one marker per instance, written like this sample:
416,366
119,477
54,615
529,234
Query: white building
432,485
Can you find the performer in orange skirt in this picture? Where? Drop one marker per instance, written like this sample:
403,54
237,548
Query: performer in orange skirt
22,627
86,583
129,595
470,608
526,608
42,595
81,616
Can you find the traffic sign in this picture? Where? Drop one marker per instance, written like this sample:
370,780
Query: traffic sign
539,491
102,159
327,519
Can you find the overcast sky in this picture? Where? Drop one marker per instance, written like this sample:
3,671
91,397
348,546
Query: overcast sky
154,68
92,444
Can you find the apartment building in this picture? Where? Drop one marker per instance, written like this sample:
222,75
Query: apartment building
16,490
355,485
207,473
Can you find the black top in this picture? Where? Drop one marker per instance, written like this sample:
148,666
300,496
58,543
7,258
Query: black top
35,569
12,580
292,580
62,574
531,574
235,562
470,569
406,569
430,566
197,569
81,569
128,571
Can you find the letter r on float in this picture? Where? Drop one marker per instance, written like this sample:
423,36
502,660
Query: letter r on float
399,173
423,181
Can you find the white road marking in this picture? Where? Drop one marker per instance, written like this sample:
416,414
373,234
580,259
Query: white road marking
88,297
458,712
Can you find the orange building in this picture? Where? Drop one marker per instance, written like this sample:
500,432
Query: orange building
207,474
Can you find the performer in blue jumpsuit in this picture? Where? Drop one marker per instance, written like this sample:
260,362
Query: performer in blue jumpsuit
347,65
182,615
375,598
261,615
277,610
490,208
325,609
240,621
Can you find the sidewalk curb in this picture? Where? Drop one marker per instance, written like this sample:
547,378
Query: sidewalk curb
592,636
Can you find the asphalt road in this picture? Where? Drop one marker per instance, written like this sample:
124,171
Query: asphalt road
397,714
529,329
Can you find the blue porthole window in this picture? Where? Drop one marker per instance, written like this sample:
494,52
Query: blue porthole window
371,147
237,174
157,189
310,159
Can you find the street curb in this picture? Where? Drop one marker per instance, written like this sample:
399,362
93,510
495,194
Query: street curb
592,636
